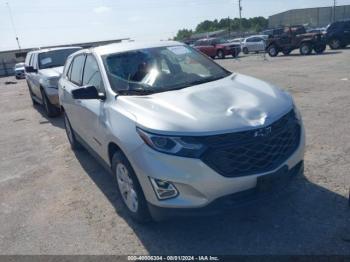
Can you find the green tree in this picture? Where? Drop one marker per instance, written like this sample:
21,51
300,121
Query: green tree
254,24
183,34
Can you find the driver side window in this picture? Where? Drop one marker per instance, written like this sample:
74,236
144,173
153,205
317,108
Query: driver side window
92,75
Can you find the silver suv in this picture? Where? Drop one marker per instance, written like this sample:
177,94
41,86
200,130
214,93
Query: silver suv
43,68
181,134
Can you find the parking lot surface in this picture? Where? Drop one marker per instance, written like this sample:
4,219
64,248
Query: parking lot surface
55,201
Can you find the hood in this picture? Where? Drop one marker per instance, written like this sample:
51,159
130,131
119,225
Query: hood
234,103
19,68
52,72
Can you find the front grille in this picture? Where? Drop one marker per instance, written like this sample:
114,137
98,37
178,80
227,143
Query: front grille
254,151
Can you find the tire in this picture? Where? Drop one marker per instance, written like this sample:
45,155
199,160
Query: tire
305,49
220,54
212,57
272,50
335,43
74,144
319,48
129,189
286,52
245,51
51,110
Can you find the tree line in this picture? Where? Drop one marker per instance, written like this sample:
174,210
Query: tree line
254,24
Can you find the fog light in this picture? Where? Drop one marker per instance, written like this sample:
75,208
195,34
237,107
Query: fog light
163,189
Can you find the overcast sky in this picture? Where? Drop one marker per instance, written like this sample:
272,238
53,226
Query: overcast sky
50,22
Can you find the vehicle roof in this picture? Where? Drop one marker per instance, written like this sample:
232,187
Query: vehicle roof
129,46
54,49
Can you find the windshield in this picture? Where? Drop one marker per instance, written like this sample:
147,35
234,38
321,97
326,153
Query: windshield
54,58
160,69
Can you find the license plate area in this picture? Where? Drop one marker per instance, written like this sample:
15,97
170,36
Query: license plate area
273,181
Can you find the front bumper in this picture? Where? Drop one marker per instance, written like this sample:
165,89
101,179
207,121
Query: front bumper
198,184
20,75
230,202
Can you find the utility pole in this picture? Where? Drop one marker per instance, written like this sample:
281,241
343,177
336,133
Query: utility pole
334,6
13,25
240,15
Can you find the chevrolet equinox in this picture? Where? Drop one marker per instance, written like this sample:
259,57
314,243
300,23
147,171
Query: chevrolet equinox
181,134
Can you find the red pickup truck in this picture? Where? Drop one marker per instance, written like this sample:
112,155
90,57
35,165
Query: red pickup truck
216,47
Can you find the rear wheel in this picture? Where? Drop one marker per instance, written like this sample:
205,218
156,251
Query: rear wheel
305,49
335,43
272,50
129,189
319,48
50,109
220,54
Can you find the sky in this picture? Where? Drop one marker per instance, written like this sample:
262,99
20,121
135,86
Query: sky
52,22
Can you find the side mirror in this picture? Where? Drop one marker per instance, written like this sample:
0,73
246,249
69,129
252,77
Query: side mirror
87,92
30,69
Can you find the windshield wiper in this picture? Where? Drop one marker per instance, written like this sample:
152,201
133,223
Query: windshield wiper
141,92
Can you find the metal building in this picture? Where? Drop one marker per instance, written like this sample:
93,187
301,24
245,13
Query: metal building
313,17
9,58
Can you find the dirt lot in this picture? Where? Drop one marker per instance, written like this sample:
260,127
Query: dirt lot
55,201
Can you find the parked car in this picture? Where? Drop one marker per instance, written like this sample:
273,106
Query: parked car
216,47
43,68
181,134
19,71
255,43
338,34
296,37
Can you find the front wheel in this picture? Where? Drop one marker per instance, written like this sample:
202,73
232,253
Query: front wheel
50,109
245,51
305,49
335,43
272,50
129,189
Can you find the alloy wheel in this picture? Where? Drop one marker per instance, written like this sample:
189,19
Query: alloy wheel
126,187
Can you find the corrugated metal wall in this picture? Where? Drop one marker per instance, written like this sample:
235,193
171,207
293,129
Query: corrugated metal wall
315,17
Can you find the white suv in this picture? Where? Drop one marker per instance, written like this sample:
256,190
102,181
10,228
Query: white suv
43,68
180,133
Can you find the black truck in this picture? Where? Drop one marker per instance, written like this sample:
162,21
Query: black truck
295,37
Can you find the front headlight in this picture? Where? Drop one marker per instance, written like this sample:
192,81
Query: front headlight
51,82
173,145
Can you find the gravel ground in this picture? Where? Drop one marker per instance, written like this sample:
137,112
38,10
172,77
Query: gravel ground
55,201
